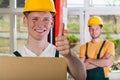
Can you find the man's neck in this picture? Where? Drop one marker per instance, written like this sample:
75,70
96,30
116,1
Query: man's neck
36,46
96,40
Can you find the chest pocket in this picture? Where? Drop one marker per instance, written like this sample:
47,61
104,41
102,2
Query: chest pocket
96,73
16,53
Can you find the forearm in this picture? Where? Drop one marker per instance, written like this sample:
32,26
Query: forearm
76,67
90,66
101,62
107,60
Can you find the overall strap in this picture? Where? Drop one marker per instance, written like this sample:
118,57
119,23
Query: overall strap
57,53
16,53
86,55
98,56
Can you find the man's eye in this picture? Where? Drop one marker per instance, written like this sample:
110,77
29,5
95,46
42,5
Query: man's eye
35,19
46,19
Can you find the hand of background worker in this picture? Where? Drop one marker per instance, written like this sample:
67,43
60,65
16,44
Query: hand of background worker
62,42
89,66
106,56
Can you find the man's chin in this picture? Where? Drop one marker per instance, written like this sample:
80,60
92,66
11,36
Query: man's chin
95,37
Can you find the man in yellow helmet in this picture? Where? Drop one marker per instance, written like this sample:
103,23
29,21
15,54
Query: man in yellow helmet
98,53
38,17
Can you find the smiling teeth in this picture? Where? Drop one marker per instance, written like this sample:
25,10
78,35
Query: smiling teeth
40,30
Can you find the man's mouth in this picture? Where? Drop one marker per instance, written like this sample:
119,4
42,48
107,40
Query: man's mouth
40,30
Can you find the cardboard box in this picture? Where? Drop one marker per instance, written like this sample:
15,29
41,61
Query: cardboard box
32,68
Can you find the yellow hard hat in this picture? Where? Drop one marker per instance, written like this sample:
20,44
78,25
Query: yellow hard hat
39,5
94,20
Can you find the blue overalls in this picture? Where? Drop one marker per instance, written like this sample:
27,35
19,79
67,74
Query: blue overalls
96,73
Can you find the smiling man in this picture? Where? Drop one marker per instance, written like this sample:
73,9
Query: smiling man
98,53
38,17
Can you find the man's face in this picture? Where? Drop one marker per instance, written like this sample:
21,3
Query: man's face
39,24
95,31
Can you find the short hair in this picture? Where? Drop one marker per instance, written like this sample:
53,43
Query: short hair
28,12
99,25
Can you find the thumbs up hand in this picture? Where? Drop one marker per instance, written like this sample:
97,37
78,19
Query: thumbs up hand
62,43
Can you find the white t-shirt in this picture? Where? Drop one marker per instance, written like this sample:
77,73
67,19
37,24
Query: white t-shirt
48,52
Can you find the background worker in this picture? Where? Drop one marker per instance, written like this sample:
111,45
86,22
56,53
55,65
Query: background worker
98,53
38,17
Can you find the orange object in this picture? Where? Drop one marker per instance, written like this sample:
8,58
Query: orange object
59,4
58,20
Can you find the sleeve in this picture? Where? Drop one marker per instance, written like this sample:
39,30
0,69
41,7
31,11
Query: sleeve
82,51
111,48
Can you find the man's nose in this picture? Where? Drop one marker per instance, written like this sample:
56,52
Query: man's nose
93,30
40,23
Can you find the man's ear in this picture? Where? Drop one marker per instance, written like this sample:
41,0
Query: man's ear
52,23
89,29
25,20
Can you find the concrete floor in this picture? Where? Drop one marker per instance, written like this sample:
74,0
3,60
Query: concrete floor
114,76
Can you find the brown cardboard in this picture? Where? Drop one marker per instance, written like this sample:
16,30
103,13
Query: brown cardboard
32,68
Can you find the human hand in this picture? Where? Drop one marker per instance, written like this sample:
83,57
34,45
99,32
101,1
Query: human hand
88,60
62,42
106,56
89,66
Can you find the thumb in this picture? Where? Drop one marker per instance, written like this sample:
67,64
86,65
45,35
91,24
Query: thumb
61,30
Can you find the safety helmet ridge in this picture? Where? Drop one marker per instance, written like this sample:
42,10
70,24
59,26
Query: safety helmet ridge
94,20
39,5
